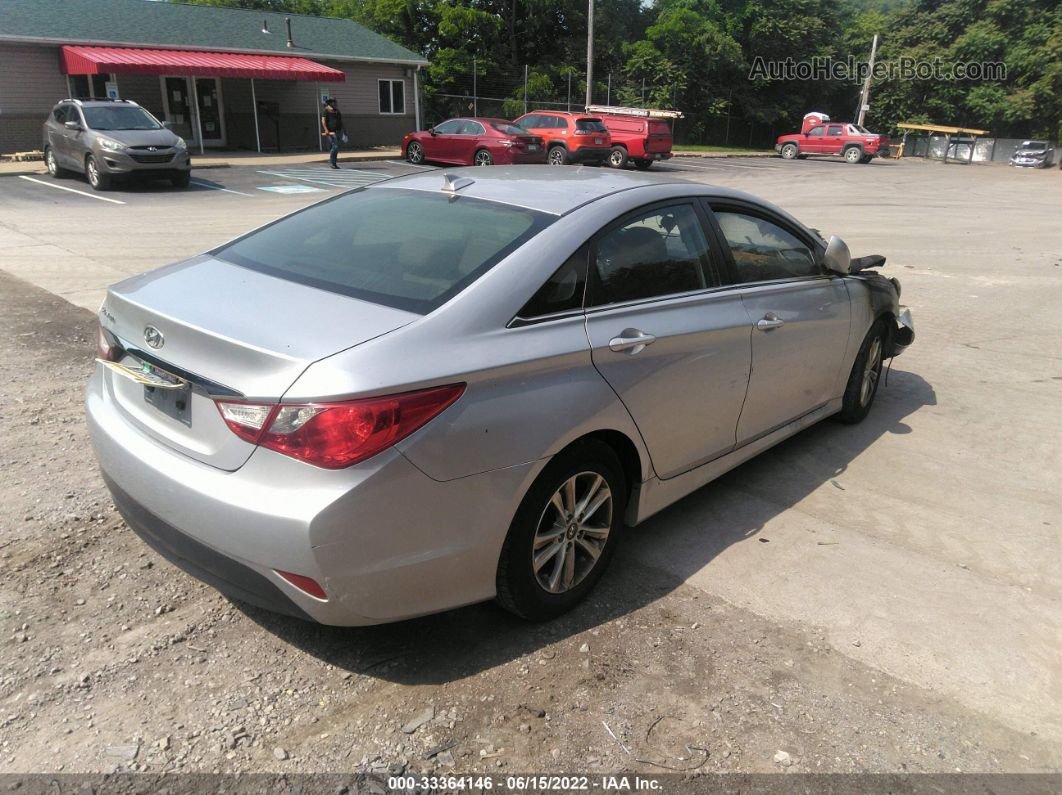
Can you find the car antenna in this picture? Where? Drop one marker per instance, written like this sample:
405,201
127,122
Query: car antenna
453,183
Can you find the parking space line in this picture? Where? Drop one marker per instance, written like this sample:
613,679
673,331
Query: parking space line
411,165
71,190
215,187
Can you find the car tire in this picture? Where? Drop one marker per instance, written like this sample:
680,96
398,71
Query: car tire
182,179
643,165
853,154
50,161
581,551
790,152
482,158
557,156
96,178
866,373
415,153
617,157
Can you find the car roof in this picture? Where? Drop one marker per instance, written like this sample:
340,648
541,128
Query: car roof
549,189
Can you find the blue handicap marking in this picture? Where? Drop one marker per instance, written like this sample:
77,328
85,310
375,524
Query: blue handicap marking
291,189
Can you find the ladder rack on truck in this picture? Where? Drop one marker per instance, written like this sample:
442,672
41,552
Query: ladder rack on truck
651,113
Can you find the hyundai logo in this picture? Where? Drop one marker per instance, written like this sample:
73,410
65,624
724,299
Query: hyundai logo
153,149
153,337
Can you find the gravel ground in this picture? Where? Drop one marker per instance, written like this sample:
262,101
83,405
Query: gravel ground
111,659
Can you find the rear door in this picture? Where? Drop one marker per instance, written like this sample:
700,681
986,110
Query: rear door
468,139
800,317
834,141
672,343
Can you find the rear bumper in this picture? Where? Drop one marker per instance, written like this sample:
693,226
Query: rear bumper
384,540
589,154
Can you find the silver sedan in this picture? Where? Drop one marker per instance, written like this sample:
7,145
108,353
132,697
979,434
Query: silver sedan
447,388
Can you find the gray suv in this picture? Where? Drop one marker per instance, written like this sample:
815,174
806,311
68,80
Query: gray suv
106,138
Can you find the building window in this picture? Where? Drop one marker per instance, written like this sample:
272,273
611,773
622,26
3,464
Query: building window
88,86
393,96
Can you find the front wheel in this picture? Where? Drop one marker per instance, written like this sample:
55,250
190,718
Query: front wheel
642,165
564,533
617,157
415,153
482,158
790,151
853,154
863,380
558,156
182,179
97,179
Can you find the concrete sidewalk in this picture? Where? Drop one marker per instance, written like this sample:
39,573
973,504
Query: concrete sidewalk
231,159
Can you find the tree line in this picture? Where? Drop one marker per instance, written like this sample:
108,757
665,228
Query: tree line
706,57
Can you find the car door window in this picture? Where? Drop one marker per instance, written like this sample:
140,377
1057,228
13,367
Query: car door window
763,250
528,122
472,128
659,252
816,132
448,127
562,292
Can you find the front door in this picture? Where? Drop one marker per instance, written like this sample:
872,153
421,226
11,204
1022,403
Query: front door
181,108
800,318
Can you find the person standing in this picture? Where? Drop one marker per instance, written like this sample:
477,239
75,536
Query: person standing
332,129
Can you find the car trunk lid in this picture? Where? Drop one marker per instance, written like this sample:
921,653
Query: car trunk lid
218,330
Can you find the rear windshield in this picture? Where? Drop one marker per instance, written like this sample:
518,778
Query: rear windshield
402,248
590,125
119,118
508,128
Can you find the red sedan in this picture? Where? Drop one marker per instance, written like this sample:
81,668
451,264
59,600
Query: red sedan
474,142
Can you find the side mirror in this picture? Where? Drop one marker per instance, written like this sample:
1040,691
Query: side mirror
72,125
168,125
432,131
838,258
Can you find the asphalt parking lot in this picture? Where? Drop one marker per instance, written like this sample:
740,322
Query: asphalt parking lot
879,597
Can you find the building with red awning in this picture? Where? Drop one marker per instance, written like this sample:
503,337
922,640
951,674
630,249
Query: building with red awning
221,77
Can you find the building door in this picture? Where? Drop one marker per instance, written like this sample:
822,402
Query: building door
179,99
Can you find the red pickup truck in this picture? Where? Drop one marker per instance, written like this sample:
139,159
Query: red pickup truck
852,142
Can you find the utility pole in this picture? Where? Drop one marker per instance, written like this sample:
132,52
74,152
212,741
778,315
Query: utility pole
590,55
525,88
569,89
864,97
475,94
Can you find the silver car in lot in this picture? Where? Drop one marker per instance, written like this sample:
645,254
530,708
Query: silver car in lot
447,388
108,138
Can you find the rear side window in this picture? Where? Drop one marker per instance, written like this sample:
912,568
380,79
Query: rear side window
408,249
563,292
764,251
590,125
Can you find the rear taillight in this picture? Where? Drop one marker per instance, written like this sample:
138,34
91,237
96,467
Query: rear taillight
304,584
337,435
107,346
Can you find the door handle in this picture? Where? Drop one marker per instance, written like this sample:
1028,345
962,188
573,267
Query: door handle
769,321
631,340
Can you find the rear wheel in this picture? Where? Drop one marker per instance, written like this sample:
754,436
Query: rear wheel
564,533
853,154
557,156
617,157
790,151
97,179
182,179
482,158
642,165
415,153
863,380
53,165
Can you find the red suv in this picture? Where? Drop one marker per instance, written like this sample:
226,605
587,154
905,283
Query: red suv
638,135
570,137
851,141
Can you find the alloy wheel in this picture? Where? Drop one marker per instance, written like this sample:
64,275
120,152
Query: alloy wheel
415,153
483,158
572,532
871,373
93,172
